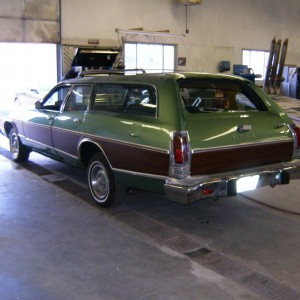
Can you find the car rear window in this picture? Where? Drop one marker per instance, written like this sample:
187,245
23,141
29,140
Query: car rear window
201,95
125,98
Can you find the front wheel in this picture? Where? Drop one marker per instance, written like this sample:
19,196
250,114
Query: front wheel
18,151
102,184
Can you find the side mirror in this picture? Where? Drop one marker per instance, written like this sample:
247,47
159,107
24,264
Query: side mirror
38,105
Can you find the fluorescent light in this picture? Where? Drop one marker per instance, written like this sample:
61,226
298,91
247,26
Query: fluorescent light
142,32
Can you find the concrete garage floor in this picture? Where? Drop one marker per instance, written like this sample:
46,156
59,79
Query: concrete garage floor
54,244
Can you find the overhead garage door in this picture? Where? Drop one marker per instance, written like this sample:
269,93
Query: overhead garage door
29,21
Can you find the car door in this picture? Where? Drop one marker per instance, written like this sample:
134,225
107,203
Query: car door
67,124
123,121
38,123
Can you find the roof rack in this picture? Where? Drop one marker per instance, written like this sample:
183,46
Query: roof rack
109,72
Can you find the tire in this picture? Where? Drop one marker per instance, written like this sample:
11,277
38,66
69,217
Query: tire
105,191
18,151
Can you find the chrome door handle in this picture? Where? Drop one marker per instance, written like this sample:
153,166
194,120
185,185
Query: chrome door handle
50,118
243,128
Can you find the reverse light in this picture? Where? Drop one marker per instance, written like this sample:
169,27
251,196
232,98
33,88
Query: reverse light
247,183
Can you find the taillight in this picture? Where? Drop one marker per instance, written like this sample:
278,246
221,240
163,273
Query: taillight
180,143
180,156
297,133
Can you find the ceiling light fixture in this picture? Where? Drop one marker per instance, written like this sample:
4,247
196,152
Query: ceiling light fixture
154,33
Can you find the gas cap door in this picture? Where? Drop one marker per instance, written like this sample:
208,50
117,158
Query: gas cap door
135,129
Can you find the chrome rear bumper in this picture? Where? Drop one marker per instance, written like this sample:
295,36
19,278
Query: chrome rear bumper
191,189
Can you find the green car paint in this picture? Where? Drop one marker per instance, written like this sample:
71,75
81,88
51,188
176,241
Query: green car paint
190,135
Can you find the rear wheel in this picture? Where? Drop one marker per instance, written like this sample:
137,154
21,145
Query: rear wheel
102,184
18,151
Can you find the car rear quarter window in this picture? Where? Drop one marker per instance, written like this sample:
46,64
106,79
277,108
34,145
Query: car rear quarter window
201,95
129,99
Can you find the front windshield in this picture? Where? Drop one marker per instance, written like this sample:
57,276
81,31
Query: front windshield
214,95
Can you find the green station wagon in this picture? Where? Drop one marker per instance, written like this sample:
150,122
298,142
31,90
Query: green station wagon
188,135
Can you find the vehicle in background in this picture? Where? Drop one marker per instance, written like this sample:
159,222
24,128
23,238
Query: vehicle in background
94,59
28,97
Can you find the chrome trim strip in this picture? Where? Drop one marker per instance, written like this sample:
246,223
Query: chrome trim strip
141,174
37,124
50,147
86,138
84,134
34,141
66,130
97,145
67,154
245,145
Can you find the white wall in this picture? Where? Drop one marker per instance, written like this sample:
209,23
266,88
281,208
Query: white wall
30,21
218,29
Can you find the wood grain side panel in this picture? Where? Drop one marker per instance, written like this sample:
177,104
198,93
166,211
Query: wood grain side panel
38,133
135,158
66,141
223,160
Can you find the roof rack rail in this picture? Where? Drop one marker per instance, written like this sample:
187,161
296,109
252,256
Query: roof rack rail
109,72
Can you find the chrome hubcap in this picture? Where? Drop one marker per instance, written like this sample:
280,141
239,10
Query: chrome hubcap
14,145
99,182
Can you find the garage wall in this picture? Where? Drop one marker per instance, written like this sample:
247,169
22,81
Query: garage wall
31,21
218,29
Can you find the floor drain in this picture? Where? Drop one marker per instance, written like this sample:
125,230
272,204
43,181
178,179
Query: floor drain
160,232
258,283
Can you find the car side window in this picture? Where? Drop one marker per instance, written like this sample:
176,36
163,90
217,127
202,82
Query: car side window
141,101
79,98
130,99
56,98
108,97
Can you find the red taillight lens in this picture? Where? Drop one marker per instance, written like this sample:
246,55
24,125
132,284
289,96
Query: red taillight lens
297,132
208,191
181,149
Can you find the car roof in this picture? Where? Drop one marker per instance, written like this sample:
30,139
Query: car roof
148,77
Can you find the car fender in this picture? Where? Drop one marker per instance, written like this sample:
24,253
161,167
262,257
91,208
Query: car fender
87,147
